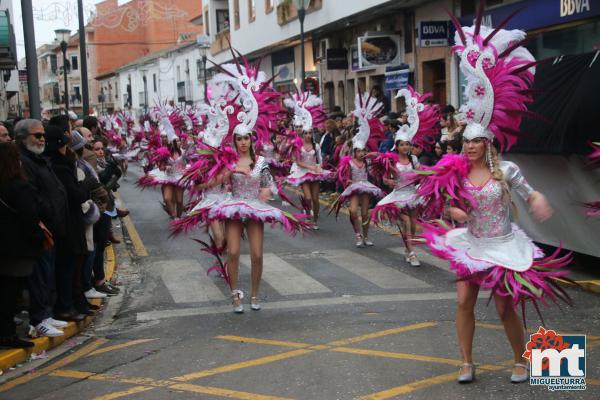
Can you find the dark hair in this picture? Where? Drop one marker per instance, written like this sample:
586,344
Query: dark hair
455,144
61,121
409,155
10,165
174,147
90,122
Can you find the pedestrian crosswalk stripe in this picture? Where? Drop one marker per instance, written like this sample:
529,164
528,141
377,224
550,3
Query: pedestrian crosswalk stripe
286,279
187,282
424,257
373,271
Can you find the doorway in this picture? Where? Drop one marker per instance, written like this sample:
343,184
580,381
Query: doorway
434,80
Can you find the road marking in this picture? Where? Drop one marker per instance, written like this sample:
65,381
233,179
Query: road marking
223,392
530,330
68,373
241,365
263,341
284,278
54,366
393,392
423,256
400,356
136,240
123,393
293,304
387,332
592,381
187,282
119,346
381,275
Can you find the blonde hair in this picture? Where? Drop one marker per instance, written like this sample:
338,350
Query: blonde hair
498,176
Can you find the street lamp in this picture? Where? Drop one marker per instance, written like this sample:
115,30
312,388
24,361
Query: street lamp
63,35
301,7
203,42
143,72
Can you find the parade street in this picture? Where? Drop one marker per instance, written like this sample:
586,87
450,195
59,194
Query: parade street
337,323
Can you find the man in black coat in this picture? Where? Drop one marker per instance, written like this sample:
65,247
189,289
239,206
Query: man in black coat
51,198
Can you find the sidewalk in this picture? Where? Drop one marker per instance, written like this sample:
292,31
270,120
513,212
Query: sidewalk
11,357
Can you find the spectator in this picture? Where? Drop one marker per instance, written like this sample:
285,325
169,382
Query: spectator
91,123
388,143
438,151
4,136
87,151
424,157
51,199
327,143
453,147
21,237
71,251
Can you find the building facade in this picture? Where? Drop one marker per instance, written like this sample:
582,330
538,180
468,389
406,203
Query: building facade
9,74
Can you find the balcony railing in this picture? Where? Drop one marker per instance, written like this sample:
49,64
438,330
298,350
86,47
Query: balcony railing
221,42
287,11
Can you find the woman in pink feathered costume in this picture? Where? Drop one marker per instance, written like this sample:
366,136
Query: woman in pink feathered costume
491,252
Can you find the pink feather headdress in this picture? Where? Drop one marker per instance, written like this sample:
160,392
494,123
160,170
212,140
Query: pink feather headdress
308,110
499,72
422,127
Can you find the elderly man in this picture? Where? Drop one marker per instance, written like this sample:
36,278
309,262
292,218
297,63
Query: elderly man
4,136
88,153
52,201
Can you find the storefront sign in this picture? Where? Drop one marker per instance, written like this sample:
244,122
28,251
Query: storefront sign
396,79
283,72
22,75
539,13
378,51
337,58
434,33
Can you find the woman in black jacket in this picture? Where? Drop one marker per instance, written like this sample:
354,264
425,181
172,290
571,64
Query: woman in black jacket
70,251
21,239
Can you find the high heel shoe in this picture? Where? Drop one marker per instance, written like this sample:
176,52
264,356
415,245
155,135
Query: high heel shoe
237,296
466,377
413,260
359,240
254,304
519,378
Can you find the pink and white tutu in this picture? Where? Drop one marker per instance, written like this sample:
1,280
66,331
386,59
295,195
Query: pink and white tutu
200,213
397,202
300,175
156,177
129,155
362,187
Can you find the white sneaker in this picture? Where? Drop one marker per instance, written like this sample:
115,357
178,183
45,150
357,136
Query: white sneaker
94,294
367,242
56,322
359,241
414,261
45,329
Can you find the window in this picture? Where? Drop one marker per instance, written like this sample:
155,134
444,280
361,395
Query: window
76,96
141,98
181,92
236,14
53,65
178,73
269,5
199,70
154,82
251,10
206,24
222,20
74,63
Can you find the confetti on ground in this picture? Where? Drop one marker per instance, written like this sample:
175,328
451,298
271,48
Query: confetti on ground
39,356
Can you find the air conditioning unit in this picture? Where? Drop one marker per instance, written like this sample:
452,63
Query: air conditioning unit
322,49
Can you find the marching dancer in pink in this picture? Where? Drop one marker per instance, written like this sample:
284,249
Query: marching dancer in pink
491,252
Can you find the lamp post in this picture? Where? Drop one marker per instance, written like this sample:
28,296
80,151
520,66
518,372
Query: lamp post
203,42
143,72
301,7
63,35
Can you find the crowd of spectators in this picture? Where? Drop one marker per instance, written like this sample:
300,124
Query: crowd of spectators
56,208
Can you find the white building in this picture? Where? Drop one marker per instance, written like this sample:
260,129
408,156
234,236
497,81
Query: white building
9,75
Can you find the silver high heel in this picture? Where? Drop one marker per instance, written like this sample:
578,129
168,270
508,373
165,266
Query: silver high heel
237,295
520,378
467,377
359,240
254,304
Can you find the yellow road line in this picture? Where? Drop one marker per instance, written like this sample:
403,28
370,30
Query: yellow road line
138,245
592,381
281,343
54,366
241,365
530,330
119,346
401,356
68,373
387,332
123,393
110,262
234,394
403,389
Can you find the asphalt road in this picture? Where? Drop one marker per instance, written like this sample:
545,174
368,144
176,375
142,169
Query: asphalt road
337,323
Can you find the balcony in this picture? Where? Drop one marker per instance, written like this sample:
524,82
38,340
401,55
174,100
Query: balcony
221,42
181,98
287,11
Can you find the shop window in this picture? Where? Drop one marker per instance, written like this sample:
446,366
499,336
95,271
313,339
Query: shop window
222,20
206,23
74,63
579,39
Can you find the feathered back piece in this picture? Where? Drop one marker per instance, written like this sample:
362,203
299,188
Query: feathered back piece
499,72
111,125
250,89
422,119
167,119
308,110
367,111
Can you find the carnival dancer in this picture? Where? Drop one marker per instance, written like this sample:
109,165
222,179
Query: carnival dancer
353,170
593,207
401,206
251,182
307,171
490,252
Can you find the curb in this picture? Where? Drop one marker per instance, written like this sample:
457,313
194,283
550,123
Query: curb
590,286
11,357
